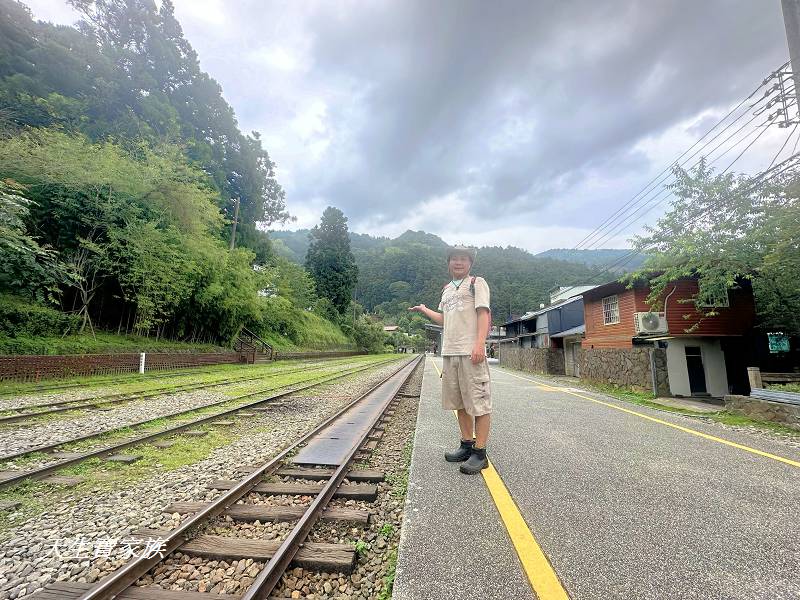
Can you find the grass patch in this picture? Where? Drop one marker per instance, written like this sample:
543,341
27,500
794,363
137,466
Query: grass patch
102,342
786,387
388,579
399,481
34,496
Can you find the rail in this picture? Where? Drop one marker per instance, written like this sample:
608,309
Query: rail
125,577
776,396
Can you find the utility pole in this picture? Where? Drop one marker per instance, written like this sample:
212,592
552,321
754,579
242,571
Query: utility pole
791,21
235,219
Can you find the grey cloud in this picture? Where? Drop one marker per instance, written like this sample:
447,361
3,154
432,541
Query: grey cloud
594,77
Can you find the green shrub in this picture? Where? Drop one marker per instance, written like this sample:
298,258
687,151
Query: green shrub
101,343
22,318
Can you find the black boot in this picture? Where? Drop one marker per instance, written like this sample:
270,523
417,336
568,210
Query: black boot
462,454
476,463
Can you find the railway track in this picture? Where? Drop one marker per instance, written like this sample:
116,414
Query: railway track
98,381
319,465
67,459
26,413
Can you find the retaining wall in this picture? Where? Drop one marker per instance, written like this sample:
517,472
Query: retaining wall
629,367
764,410
34,367
548,361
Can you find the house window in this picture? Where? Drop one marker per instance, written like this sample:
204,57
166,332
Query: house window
610,310
714,299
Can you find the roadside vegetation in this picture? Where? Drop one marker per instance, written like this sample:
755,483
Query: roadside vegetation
122,170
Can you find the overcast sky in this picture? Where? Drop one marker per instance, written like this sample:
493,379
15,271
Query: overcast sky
520,123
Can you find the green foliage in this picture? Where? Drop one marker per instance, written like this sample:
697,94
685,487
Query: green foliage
385,592
298,329
786,387
387,529
144,223
368,336
25,266
411,268
127,73
361,547
722,229
330,261
100,343
596,257
21,318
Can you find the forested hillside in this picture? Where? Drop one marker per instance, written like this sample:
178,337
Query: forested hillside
120,168
616,259
392,273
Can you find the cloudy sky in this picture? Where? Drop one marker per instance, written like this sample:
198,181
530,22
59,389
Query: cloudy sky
520,123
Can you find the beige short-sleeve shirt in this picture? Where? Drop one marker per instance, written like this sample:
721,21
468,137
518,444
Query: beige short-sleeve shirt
459,308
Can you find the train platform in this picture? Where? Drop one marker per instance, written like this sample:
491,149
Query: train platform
590,497
453,544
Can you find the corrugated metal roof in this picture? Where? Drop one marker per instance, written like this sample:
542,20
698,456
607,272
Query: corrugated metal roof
580,329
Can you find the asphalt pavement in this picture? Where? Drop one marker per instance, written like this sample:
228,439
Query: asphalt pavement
622,506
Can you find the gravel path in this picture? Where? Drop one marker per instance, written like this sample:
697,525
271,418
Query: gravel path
19,438
28,559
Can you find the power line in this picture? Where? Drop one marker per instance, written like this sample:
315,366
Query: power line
769,175
660,178
654,181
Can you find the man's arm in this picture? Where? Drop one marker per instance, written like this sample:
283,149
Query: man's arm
434,316
479,350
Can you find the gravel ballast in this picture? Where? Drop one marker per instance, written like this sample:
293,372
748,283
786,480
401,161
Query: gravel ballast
63,428
95,515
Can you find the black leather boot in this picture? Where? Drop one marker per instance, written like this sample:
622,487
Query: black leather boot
476,463
462,454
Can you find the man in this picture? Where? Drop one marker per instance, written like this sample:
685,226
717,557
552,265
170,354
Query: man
465,374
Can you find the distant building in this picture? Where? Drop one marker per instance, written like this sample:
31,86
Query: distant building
556,326
391,328
566,292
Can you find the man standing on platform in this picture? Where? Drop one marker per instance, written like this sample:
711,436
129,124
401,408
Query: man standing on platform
465,318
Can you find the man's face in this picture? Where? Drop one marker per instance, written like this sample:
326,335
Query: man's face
459,265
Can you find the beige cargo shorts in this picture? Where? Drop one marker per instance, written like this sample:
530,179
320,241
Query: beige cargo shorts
466,386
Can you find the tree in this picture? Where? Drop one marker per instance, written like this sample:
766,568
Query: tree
330,261
723,228
25,266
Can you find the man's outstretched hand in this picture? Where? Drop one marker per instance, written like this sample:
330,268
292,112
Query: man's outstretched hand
420,308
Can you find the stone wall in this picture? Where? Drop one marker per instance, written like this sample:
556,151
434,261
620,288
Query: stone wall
764,410
628,367
549,361
35,367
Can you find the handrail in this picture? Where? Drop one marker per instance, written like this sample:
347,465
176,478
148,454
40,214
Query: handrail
252,342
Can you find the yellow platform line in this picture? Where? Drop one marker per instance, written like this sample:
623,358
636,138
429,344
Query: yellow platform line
435,366
540,573
538,570
688,430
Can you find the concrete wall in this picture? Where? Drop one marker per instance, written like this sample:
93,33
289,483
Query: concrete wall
713,364
535,360
629,367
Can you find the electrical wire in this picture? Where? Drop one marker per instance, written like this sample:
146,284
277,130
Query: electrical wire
667,170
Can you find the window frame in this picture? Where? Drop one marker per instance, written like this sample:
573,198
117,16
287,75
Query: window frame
610,310
711,302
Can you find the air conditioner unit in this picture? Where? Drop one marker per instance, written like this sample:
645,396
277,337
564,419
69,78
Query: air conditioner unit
650,322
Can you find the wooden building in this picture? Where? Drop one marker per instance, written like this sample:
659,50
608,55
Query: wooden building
704,353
